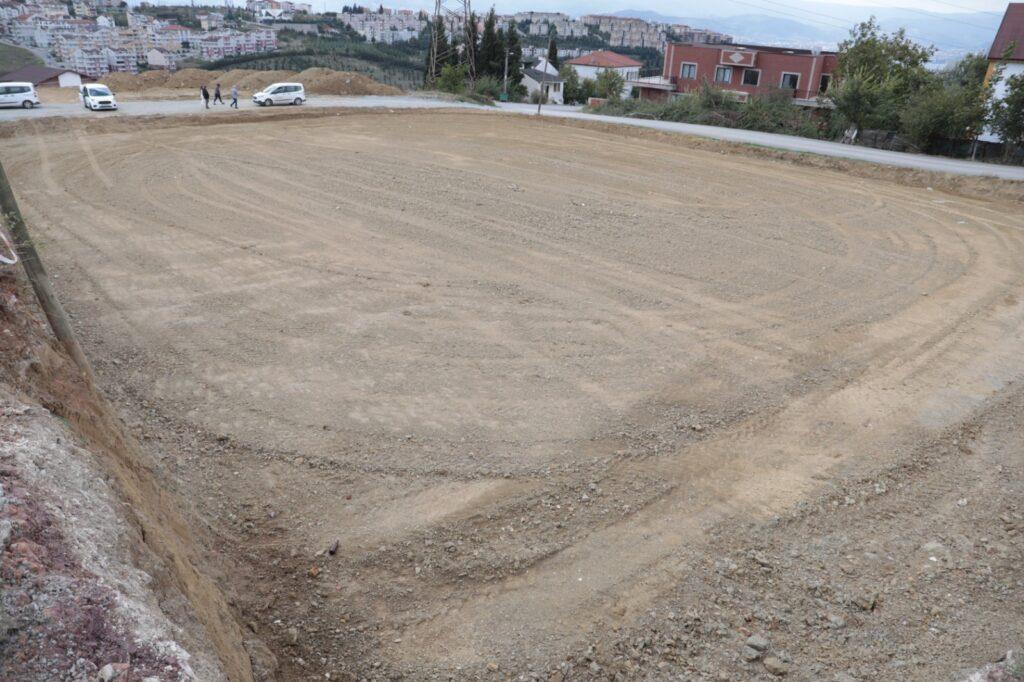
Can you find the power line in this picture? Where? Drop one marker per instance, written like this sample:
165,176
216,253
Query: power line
795,16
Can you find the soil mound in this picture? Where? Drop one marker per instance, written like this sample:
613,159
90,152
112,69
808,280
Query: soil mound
192,78
257,80
320,81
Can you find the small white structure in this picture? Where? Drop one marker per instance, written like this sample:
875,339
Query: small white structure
551,85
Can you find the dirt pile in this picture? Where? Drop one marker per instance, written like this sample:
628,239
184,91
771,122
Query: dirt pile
320,81
251,81
141,81
192,78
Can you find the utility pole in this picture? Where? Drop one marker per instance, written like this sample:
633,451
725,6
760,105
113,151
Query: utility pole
540,91
504,82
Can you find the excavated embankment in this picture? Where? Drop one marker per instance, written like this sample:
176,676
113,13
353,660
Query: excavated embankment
99,567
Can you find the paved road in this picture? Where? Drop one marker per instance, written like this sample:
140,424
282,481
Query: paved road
795,144
187,106
786,142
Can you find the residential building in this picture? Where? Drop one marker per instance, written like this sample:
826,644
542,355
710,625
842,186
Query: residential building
592,64
630,32
741,69
550,84
211,21
389,26
162,59
1008,50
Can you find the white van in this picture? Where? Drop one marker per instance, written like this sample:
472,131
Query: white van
97,97
280,93
18,95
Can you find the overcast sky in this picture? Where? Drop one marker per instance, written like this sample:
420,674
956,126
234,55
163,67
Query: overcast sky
934,6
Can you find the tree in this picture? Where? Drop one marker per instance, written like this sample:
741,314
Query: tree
876,74
877,55
490,58
610,84
865,102
514,47
571,89
453,78
1008,113
936,113
552,48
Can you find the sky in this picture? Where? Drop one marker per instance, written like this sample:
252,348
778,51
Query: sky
931,5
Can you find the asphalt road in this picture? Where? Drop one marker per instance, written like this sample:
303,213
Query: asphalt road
795,144
786,142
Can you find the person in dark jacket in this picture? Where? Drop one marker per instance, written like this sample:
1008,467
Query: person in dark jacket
206,95
216,94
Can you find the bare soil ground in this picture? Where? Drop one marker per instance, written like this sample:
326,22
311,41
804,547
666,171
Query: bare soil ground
469,395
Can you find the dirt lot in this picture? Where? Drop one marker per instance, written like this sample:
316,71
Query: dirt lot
476,395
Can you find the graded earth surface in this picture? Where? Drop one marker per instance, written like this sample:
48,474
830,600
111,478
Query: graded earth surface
475,395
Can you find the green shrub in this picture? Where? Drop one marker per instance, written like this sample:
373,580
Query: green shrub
487,86
453,78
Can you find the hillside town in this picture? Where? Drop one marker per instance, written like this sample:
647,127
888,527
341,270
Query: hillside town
85,37
95,37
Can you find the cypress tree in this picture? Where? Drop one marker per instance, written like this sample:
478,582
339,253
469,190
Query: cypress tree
553,48
489,60
515,60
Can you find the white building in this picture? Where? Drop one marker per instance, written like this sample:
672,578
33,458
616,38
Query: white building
592,64
1010,37
550,84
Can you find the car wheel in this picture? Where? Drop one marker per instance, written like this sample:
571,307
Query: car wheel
269,102
27,104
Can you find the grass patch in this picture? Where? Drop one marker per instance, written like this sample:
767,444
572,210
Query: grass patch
13,57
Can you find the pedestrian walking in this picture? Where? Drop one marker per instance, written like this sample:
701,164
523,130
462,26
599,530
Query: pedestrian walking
216,95
234,96
205,94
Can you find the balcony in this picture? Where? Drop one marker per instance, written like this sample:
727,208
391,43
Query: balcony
652,79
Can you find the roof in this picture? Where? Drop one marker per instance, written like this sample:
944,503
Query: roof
34,74
542,76
604,59
1010,31
739,47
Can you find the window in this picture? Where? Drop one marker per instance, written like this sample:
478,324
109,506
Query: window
826,80
752,77
790,81
688,71
723,74
556,86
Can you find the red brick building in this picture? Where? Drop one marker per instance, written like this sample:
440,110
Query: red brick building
747,69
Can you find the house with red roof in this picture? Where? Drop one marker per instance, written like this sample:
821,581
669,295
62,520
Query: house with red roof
590,65
1007,49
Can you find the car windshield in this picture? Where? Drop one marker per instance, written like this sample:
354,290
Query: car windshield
99,92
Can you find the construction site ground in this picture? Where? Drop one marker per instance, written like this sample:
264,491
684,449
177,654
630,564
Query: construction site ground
467,395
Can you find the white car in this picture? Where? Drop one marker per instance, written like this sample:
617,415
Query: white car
280,93
97,97
18,95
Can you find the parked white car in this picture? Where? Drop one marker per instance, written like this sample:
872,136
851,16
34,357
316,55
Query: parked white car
18,95
97,97
280,93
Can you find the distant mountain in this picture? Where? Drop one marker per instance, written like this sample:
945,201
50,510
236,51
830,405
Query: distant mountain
808,24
